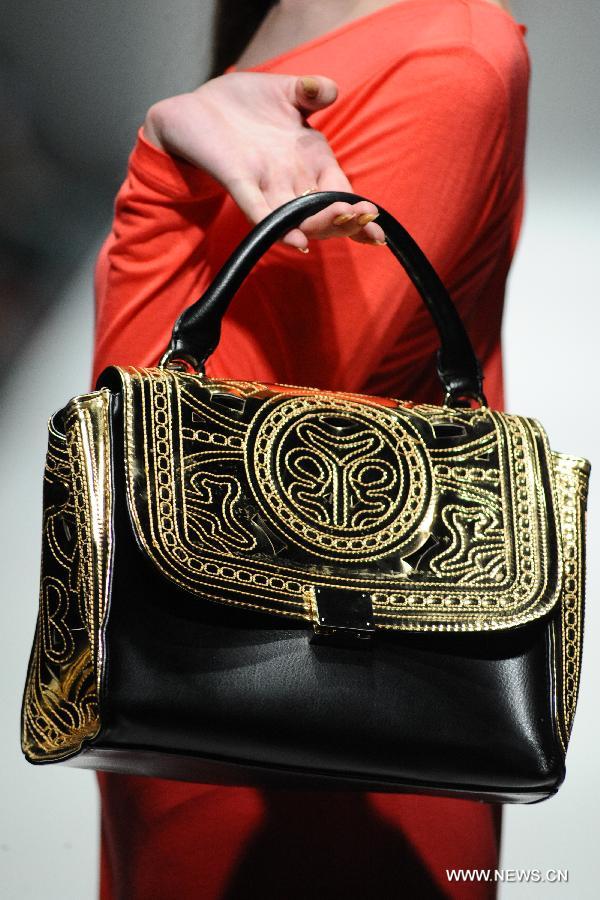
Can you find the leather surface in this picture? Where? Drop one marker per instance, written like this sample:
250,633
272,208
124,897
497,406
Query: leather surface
197,331
184,767
469,711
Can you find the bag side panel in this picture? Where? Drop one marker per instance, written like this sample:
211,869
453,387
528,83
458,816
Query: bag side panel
572,479
60,703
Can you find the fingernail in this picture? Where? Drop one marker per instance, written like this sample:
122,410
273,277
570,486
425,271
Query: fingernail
343,217
366,218
310,86
380,243
302,249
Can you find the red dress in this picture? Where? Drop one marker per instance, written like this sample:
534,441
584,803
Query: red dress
430,122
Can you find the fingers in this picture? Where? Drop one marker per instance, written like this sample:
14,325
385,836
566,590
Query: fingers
332,178
361,227
340,219
297,239
304,180
372,234
256,206
312,92
250,198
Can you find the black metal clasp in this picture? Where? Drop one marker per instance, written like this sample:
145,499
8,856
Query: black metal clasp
344,617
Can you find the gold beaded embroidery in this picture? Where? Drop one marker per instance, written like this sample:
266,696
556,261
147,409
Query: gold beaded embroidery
257,501
572,476
60,704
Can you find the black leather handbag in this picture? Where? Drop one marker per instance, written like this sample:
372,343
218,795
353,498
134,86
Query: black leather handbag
257,584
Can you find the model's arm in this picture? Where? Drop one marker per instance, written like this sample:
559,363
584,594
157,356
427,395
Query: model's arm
243,132
154,251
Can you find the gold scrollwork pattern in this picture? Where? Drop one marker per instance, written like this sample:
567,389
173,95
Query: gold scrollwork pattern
60,703
254,495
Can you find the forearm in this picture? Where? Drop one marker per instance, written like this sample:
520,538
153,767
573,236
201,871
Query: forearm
153,261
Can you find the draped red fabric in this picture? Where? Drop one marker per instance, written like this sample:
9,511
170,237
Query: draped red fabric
430,122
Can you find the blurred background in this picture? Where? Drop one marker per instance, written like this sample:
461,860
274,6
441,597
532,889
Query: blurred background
75,82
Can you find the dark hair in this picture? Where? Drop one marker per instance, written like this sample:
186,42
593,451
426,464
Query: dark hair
234,24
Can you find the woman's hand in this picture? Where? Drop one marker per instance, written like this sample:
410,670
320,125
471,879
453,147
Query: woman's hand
249,131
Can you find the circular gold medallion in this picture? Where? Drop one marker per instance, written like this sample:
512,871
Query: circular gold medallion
343,480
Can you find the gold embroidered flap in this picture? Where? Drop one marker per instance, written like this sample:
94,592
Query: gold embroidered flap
268,497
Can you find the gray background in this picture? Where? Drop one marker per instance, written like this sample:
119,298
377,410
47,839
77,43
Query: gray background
84,75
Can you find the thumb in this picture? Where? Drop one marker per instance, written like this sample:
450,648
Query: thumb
314,92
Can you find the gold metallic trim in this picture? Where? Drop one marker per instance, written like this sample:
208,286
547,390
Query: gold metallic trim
572,478
60,704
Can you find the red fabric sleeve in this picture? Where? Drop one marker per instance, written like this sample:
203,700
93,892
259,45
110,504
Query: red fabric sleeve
156,247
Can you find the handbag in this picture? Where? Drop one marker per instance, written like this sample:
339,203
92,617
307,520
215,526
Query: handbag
267,585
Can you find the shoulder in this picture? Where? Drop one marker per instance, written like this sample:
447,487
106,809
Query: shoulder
481,25
475,70
495,33
469,43
446,62
498,41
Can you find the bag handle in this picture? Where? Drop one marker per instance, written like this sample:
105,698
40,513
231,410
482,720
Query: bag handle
197,331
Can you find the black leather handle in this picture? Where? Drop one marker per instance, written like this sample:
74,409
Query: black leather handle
197,330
